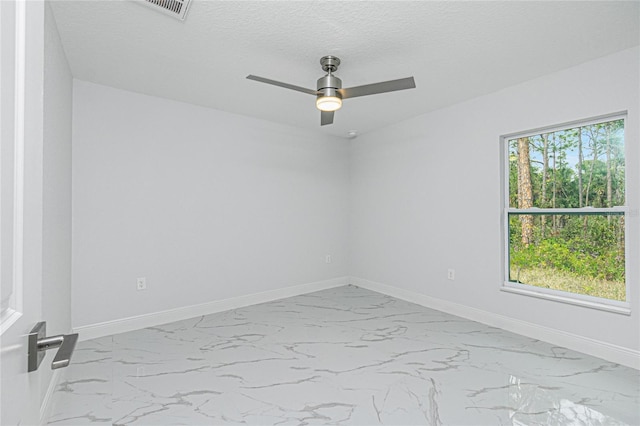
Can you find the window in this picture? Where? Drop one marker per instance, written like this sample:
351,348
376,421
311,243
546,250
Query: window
564,213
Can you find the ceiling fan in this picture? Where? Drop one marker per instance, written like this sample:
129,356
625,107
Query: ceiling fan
329,94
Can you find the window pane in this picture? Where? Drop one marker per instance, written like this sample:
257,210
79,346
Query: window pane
583,254
570,168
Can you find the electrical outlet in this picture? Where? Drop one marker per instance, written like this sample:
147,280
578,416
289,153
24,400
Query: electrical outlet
141,283
327,258
451,274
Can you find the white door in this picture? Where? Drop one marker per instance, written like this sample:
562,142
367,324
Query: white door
21,121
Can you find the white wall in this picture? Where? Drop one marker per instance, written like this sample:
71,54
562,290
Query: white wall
206,205
426,196
56,244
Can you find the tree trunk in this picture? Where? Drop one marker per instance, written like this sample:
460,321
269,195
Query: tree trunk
608,153
545,173
594,145
621,236
608,160
525,190
580,158
554,222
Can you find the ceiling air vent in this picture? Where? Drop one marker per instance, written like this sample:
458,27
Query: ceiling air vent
176,8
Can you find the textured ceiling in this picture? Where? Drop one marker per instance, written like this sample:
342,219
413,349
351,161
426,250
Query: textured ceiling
455,50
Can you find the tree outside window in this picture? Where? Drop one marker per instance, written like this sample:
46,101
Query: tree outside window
565,210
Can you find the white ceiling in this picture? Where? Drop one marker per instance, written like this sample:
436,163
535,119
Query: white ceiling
455,50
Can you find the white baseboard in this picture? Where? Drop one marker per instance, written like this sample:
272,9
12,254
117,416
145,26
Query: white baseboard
597,348
153,319
45,407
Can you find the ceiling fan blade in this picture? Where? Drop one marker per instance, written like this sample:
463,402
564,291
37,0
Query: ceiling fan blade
281,84
326,117
375,88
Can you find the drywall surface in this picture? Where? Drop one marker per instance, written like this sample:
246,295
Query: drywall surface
426,196
206,205
56,244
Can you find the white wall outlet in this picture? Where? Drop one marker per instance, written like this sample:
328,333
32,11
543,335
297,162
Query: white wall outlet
141,283
451,274
327,258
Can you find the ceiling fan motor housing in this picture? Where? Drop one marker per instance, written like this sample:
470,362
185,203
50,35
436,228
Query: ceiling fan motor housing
329,86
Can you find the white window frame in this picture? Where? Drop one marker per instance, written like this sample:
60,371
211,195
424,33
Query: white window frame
609,305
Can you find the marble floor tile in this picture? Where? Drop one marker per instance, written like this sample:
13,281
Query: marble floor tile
339,356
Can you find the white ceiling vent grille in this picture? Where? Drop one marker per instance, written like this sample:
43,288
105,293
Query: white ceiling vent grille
176,8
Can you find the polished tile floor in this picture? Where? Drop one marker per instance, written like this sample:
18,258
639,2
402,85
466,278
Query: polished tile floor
339,356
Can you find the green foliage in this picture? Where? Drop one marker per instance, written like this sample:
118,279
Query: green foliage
577,257
558,280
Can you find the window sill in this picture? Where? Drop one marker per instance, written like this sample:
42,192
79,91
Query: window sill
622,309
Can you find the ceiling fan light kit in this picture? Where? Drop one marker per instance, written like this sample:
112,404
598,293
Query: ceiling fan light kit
328,103
329,93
